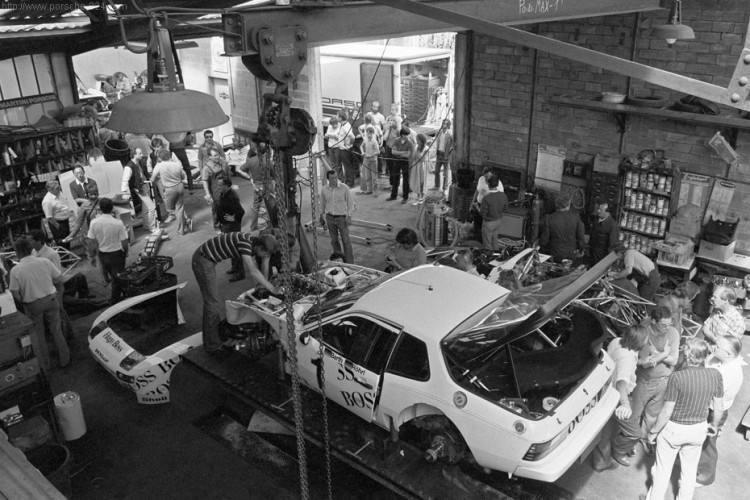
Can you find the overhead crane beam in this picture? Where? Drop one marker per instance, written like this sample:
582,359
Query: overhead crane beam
735,95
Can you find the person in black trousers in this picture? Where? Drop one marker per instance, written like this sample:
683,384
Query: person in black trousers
178,149
229,212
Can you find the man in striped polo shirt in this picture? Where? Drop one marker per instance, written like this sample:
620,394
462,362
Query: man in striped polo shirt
223,247
682,424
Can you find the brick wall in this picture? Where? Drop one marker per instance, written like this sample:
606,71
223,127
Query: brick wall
510,115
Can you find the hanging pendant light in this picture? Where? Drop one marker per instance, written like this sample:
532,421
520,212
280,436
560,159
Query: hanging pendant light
675,30
165,107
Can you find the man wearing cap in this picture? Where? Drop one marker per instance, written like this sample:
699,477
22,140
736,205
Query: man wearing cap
219,248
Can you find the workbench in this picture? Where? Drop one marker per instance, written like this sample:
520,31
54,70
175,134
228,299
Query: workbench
686,271
738,263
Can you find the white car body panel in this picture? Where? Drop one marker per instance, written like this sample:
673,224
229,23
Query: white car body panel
428,303
150,377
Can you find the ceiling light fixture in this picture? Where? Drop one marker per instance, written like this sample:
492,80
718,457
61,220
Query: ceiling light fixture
164,107
675,30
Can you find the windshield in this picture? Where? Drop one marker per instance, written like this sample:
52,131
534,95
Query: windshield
510,320
337,300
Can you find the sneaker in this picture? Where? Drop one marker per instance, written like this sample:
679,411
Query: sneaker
418,202
155,232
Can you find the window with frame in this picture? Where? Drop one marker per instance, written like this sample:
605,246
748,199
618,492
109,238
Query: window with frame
410,359
360,340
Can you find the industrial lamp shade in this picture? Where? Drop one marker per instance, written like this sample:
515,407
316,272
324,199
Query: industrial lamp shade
165,107
166,112
675,30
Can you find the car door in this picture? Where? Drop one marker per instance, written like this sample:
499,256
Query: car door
356,349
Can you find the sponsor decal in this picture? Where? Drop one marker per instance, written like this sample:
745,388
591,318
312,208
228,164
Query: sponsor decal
111,340
359,399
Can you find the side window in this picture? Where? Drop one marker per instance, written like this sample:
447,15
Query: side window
410,359
361,341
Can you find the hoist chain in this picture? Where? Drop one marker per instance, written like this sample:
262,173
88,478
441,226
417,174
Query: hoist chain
313,204
286,281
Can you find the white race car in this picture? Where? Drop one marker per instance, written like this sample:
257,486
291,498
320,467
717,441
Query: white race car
140,340
515,381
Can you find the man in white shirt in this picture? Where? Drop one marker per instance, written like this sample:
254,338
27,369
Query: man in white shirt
640,268
56,213
33,283
337,206
624,352
77,284
111,237
378,119
727,360
172,177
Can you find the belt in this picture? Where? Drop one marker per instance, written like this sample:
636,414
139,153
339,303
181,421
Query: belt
335,216
50,296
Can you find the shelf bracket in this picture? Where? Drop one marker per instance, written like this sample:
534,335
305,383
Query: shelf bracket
622,121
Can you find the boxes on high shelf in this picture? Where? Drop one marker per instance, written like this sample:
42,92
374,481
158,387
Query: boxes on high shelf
713,251
685,226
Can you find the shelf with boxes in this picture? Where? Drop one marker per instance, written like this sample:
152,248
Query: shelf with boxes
646,203
27,161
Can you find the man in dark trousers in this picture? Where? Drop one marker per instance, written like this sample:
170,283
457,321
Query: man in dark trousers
682,424
108,234
563,233
604,234
178,148
229,211
494,204
217,249
33,283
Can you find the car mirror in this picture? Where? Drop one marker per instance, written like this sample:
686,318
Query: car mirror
305,338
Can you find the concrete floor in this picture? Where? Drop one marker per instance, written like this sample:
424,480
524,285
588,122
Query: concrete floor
141,452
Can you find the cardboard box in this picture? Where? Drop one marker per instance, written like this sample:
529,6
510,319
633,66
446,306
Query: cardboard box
683,226
713,251
675,250
7,304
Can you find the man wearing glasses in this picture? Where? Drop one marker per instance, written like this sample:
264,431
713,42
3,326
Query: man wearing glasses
656,363
725,318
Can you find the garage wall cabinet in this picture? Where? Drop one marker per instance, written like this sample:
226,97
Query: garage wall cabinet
26,163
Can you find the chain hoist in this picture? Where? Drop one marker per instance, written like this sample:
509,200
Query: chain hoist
286,283
313,206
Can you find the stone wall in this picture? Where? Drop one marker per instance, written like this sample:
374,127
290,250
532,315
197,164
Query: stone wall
510,114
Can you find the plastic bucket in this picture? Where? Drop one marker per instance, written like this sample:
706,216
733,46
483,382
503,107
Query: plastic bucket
69,414
53,461
117,149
